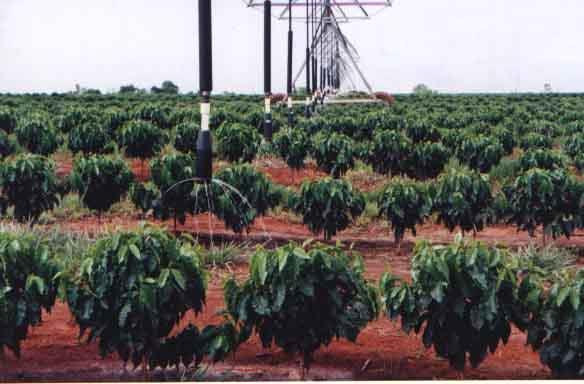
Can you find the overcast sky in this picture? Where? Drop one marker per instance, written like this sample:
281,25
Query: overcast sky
450,45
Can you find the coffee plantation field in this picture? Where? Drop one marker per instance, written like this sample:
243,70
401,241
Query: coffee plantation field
439,236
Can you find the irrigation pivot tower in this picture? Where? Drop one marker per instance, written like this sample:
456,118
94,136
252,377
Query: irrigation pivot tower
331,60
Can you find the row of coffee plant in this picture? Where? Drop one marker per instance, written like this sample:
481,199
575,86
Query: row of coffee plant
132,289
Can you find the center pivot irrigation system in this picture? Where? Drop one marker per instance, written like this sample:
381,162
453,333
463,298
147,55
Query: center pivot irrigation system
330,58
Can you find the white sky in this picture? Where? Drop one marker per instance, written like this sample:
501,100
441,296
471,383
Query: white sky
451,45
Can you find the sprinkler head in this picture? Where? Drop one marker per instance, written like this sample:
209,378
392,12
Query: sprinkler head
204,163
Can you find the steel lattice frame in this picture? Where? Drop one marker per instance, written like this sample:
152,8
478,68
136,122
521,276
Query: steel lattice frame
337,58
344,10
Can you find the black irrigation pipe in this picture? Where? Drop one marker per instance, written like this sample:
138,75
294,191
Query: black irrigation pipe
204,165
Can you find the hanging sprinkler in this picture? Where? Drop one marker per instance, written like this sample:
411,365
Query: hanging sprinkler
308,63
204,164
289,77
268,126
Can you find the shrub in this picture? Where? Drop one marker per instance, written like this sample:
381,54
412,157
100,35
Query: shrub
29,185
480,153
26,286
464,295
132,289
550,199
574,145
546,128
420,130
292,145
151,113
100,181
333,153
89,138
541,158
404,204
389,153
244,195
427,160
506,138
462,199
7,145
71,118
143,196
7,119
185,139
557,328
172,174
142,139
37,135
113,119
535,140
328,205
237,142
301,299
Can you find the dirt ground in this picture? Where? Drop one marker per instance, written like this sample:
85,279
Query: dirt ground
52,352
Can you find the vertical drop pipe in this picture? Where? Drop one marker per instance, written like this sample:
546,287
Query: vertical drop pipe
308,63
289,79
314,55
268,126
204,147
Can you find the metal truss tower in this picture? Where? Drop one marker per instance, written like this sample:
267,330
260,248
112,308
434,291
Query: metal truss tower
331,60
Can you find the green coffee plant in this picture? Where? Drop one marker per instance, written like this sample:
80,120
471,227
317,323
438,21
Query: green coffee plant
26,286
535,140
464,296
113,119
172,174
389,153
72,117
550,199
480,153
557,328
185,139
143,196
240,195
237,142
420,130
132,289
574,145
142,139
152,113
292,145
300,298
29,185
328,205
7,145
462,199
333,153
7,119
427,160
404,204
542,158
89,138
37,135
100,181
